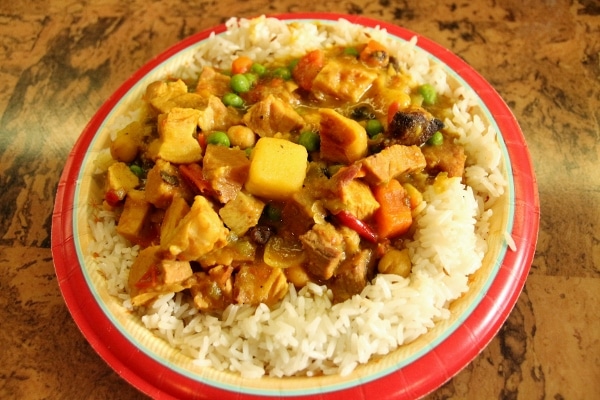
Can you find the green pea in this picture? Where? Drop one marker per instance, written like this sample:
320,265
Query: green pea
137,170
333,169
218,138
272,212
293,64
233,100
436,140
310,140
283,73
239,83
258,69
429,94
252,78
351,51
416,99
373,127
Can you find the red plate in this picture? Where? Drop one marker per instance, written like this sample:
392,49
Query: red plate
414,377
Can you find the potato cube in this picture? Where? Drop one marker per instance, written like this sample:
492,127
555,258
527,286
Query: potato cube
277,168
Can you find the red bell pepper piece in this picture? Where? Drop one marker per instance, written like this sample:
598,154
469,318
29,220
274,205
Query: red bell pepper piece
308,68
149,279
114,197
192,173
392,110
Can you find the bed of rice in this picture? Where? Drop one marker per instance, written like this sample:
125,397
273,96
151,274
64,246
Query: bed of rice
306,334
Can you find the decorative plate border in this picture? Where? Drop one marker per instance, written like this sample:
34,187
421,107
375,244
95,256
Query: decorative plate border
425,374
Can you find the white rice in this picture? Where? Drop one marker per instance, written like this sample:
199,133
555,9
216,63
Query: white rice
307,334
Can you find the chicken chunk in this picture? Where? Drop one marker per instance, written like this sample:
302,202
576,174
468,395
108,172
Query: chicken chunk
271,116
164,96
343,140
339,79
216,115
277,87
302,211
177,142
392,162
226,170
352,276
213,83
395,262
255,284
352,195
151,276
163,183
305,207
213,290
324,247
173,215
242,213
198,233
447,157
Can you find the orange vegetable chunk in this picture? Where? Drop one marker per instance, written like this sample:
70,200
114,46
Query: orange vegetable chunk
308,67
241,65
375,54
393,217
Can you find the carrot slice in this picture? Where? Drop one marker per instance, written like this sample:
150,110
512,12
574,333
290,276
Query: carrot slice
149,279
393,217
241,65
308,67
375,54
392,110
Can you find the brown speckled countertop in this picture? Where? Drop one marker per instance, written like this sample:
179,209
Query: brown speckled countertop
60,59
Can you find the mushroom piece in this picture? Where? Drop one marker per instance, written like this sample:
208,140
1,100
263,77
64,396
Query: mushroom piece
413,126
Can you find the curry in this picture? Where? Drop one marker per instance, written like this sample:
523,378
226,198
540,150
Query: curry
306,170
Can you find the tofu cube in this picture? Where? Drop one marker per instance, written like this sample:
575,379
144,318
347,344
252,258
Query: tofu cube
277,168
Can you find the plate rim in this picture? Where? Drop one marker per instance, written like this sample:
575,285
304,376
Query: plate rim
449,357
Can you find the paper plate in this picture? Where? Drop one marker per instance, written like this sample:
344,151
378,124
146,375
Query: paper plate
414,370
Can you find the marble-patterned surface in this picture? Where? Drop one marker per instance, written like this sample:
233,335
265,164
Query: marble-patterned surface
60,59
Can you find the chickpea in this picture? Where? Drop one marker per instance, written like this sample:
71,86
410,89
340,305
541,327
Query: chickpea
241,136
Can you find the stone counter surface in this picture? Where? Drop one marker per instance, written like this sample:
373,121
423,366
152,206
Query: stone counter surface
61,59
